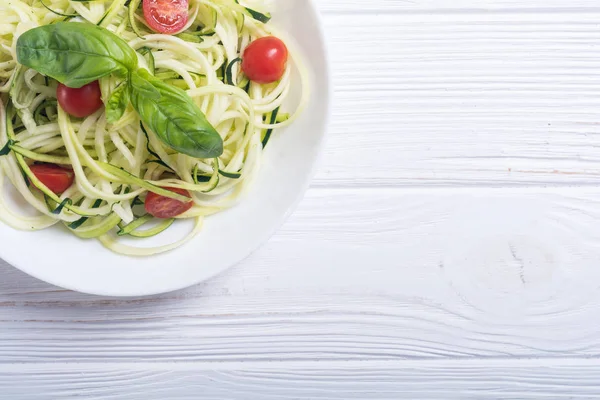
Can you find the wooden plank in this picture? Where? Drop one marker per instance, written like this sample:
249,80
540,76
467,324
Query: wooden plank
354,275
437,6
464,99
503,379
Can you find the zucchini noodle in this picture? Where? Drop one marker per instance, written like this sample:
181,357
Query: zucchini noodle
117,164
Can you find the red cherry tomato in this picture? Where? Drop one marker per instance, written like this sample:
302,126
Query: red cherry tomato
166,16
166,207
80,102
54,177
265,59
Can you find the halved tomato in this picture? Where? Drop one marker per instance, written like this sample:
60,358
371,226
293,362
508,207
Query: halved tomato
166,207
166,16
54,177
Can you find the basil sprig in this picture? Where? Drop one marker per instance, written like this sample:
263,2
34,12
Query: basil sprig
76,54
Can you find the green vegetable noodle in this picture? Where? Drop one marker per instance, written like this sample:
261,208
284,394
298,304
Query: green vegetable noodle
78,54
113,127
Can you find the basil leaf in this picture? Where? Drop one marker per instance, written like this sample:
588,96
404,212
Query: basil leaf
117,103
75,54
143,88
174,117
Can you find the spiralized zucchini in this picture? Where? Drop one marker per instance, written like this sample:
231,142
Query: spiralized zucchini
117,164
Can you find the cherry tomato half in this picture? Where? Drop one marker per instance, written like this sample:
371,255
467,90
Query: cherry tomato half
54,177
166,16
80,102
166,207
265,59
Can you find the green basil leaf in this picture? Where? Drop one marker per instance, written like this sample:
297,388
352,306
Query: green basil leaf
143,88
75,54
117,103
174,117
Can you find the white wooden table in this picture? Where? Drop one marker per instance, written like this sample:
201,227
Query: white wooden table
449,247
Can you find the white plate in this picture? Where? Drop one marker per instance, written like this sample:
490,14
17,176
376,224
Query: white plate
59,258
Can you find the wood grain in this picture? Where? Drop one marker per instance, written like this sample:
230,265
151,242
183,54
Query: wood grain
514,379
444,7
464,99
355,275
448,248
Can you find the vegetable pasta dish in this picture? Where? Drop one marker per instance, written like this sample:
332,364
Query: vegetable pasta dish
120,117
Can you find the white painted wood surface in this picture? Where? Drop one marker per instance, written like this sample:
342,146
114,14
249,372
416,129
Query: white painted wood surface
448,249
